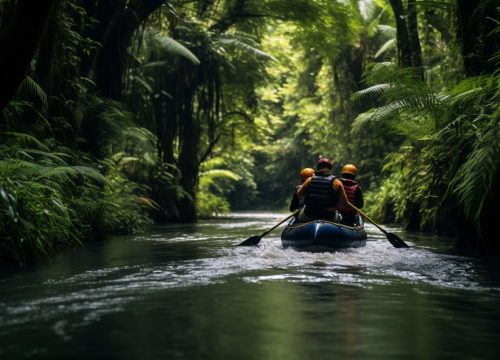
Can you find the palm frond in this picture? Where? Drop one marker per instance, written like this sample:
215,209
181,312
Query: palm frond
239,44
143,82
387,31
211,175
213,180
389,44
176,48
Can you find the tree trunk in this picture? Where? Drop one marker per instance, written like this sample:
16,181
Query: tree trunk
164,193
402,37
111,60
45,65
188,158
103,13
415,49
476,35
19,42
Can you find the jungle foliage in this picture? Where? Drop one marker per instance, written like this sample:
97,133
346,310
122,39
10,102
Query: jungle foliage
115,113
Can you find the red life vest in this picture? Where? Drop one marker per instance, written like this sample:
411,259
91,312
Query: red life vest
350,187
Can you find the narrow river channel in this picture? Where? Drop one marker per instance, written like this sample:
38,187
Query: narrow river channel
188,292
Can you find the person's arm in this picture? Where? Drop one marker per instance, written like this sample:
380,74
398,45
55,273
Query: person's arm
302,190
339,187
294,204
359,201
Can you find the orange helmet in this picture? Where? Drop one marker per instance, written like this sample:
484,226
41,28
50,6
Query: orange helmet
350,169
306,173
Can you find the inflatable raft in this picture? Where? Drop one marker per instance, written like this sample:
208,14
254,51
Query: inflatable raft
320,235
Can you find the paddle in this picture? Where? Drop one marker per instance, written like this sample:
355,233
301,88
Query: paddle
393,238
254,240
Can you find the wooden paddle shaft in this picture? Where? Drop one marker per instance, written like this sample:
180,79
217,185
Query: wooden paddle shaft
367,217
281,222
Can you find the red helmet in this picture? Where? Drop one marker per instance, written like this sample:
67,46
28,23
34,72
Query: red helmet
324,163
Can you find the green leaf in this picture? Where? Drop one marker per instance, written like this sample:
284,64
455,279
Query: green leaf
389,44
176,48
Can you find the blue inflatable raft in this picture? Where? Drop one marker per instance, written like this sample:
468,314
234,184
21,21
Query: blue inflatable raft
320,235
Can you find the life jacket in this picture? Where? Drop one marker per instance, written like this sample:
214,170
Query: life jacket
320,195
301,198
350,187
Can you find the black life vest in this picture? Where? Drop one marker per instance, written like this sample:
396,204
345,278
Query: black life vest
300,198
350,187
320,194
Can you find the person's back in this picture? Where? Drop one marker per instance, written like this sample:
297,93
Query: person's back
354,194
320,196
322,193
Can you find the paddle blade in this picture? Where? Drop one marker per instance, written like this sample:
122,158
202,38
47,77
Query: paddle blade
254,240
396,240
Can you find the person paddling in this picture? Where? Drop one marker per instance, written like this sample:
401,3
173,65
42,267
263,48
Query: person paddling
298,202
323,193
354,194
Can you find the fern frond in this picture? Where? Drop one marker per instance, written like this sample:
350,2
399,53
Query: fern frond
24,139
372,90
70,171
150,203
478,172
139,134
361,120
389,111
29,88
388,72
56,158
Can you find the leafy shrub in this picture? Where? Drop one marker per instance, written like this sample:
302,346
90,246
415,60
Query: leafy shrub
123,206
36,213
214,184
47,202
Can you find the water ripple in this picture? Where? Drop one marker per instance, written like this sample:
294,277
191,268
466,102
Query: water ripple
93,293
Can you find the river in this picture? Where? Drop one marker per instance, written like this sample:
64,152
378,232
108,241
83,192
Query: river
188,292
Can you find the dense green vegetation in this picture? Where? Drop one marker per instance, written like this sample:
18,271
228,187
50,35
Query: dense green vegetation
114,113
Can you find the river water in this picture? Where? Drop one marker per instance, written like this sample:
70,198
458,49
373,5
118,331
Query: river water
188,292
